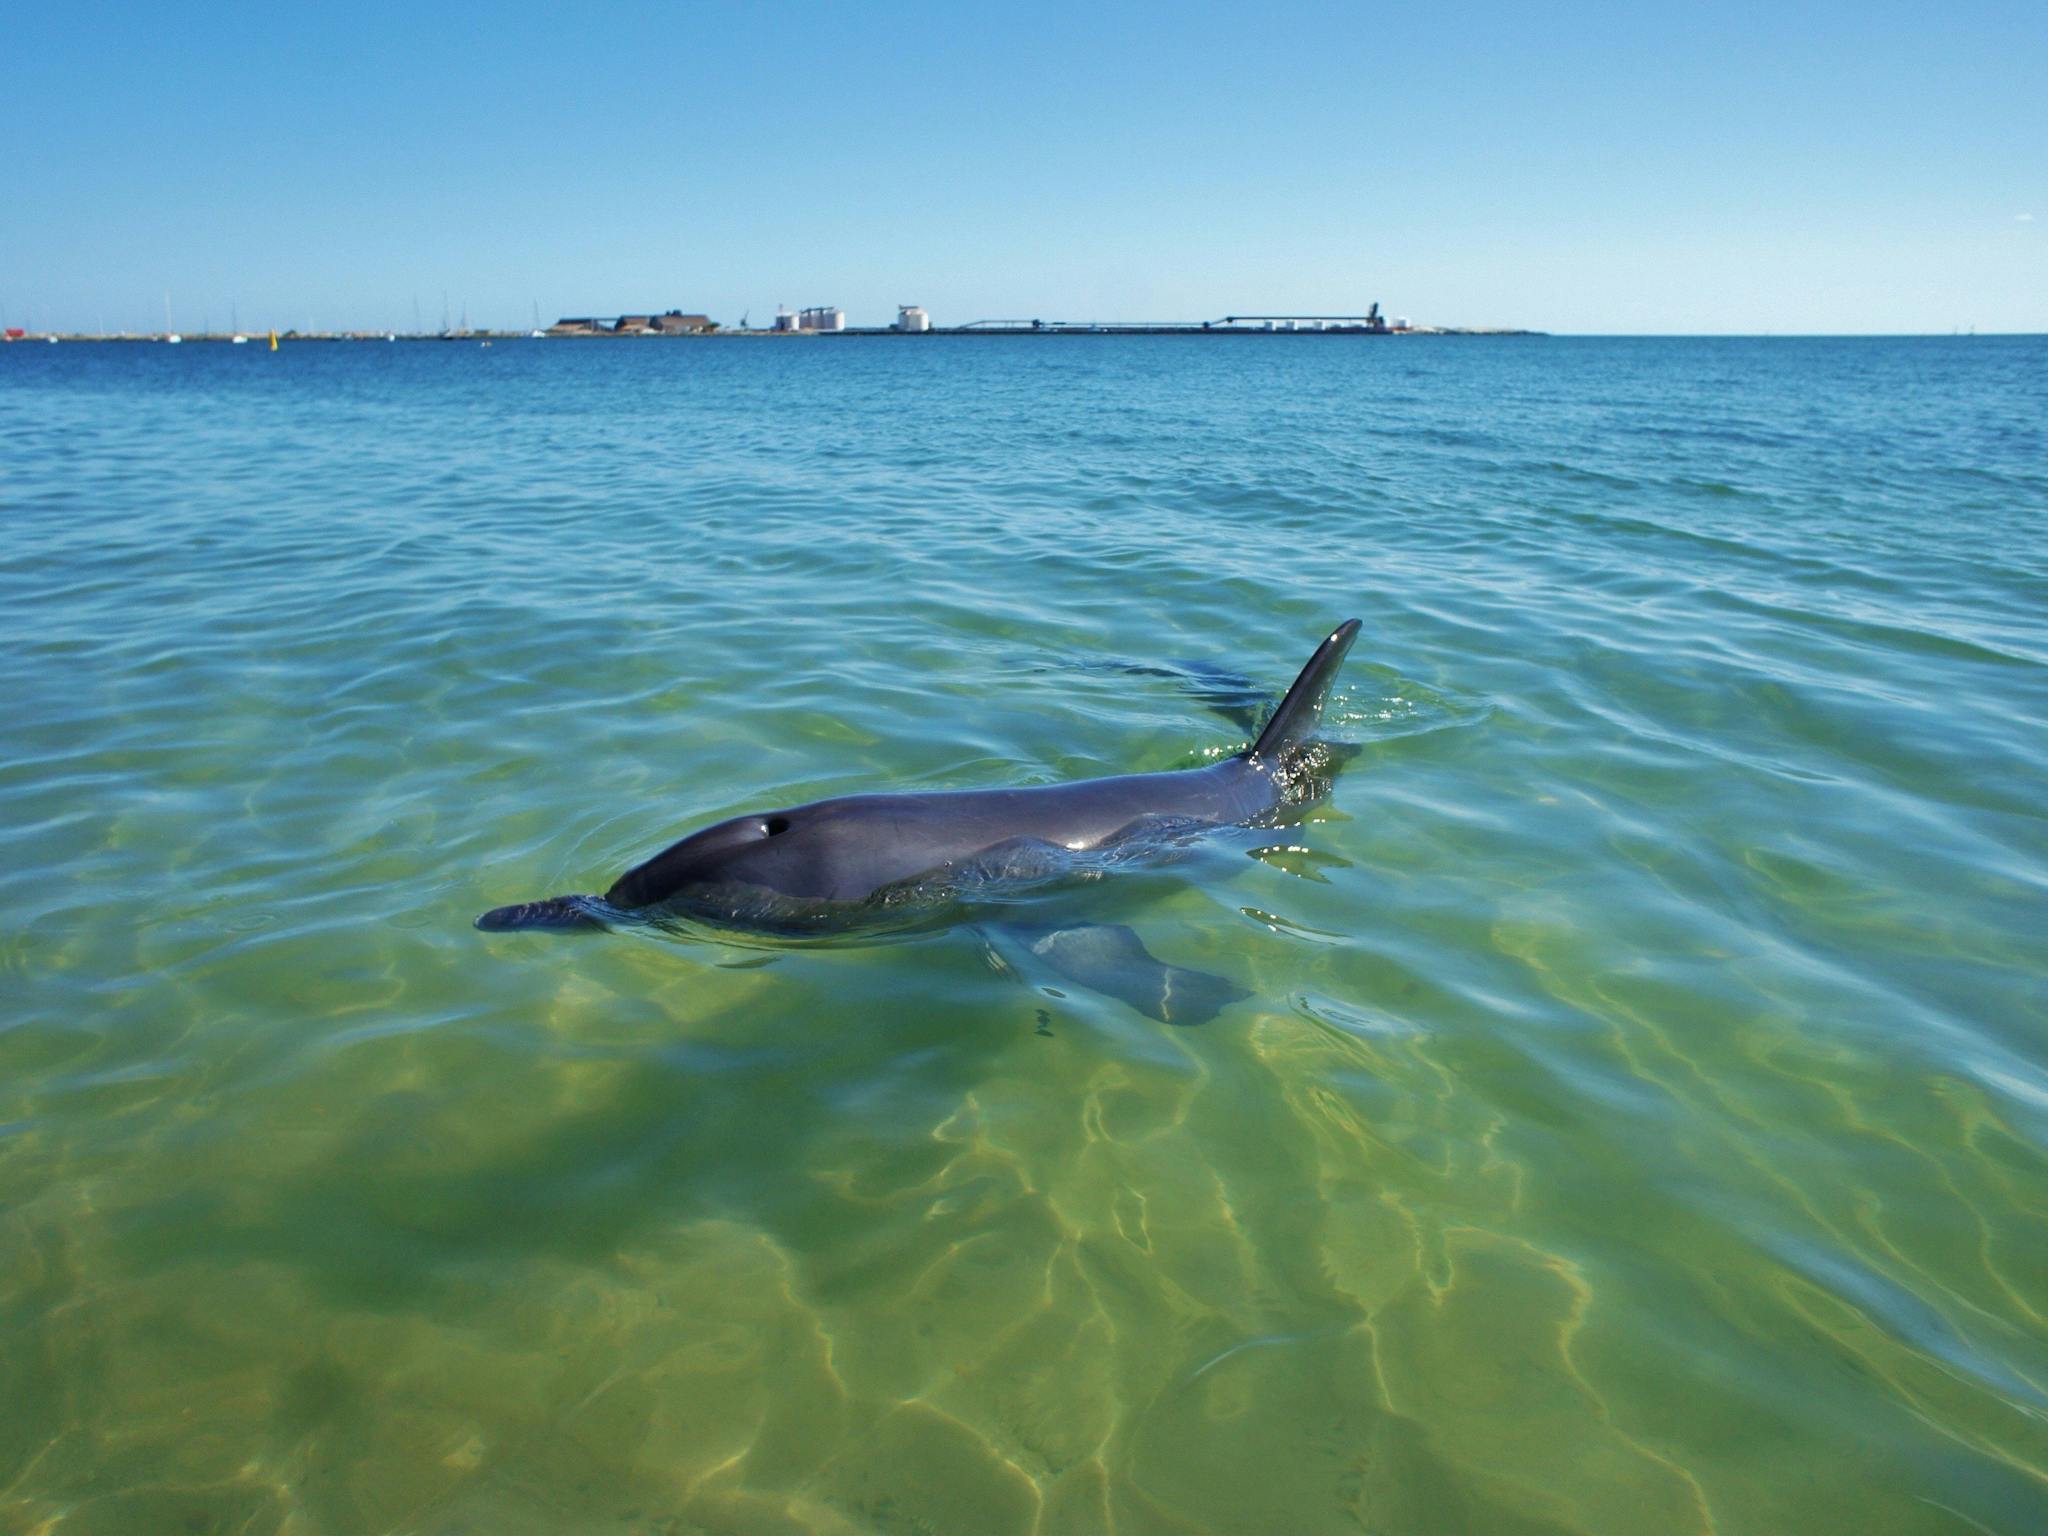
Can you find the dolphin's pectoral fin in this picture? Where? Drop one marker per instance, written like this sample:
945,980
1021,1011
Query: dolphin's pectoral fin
1015,865
1152,834
1016,861
1110,959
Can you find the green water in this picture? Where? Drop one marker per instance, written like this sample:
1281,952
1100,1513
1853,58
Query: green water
1638,1122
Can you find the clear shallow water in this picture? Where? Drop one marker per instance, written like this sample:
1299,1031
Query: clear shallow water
1639,1121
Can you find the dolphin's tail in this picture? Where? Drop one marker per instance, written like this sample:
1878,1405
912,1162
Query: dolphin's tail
557,912
1303,707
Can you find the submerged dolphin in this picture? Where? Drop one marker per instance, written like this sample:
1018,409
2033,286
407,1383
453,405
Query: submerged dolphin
853,861
1110,959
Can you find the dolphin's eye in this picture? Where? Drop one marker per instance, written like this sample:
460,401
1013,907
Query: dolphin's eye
773,825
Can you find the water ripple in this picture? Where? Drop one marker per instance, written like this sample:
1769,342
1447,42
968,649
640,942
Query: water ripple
1637,1118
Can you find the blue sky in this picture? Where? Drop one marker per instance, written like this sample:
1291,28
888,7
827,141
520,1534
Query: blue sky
1576,167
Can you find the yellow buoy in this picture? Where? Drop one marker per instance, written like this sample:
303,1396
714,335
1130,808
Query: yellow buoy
273,341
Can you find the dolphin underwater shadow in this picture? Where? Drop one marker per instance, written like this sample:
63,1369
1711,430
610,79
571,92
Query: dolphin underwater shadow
866,863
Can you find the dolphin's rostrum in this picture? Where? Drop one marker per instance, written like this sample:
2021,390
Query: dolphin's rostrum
847,862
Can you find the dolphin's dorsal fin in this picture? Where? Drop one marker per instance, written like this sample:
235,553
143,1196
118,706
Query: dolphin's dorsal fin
1303,707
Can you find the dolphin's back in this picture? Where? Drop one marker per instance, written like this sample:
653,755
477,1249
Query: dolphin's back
847,849
844,852
884,840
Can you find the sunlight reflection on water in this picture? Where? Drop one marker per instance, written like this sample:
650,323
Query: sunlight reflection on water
1636,1120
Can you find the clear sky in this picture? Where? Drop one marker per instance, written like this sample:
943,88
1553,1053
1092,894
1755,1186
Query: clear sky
1831,167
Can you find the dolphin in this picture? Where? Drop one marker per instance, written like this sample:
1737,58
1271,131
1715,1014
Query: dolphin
1110,959
861,860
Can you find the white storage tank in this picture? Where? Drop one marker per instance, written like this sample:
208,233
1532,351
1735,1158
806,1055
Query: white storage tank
823,317
784,320
911,317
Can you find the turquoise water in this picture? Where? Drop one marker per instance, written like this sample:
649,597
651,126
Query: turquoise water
1638,1121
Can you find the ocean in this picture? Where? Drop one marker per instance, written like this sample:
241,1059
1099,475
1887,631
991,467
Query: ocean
1637,1120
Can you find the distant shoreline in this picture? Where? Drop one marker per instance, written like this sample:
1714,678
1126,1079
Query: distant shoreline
261,339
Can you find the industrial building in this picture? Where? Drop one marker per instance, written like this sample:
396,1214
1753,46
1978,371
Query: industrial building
676,323
911,319
673,323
